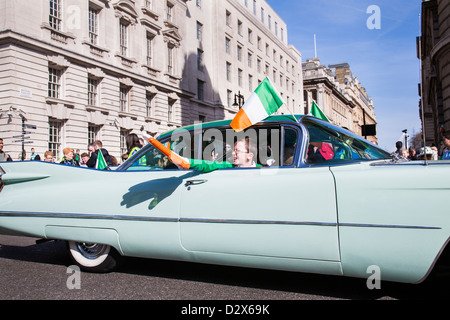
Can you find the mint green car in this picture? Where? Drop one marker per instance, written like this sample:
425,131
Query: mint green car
320,200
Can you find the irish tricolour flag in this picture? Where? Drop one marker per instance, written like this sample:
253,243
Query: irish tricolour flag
264,101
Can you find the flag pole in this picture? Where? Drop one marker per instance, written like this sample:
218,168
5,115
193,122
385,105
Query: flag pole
295,118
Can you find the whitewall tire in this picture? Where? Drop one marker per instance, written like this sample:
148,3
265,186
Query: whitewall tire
93,257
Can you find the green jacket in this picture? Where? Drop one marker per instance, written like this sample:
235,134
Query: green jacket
208,166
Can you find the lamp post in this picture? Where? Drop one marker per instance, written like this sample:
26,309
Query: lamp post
406,138
238,100
13,111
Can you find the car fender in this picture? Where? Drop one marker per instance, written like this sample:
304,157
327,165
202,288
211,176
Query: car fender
84,234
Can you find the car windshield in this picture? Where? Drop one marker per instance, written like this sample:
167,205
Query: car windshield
330,144
148,158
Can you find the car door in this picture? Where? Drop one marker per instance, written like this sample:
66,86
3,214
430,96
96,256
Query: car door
284,212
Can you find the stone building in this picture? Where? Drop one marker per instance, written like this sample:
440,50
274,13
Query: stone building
435,82
339,94
79,70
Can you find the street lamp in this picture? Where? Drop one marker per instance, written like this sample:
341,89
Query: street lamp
12,112
238,100
406,138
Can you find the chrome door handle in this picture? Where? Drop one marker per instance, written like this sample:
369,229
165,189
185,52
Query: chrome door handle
193,182
190,183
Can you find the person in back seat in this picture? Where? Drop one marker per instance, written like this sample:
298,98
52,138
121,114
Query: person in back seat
319,152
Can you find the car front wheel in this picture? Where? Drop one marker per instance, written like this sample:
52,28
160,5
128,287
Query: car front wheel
93,257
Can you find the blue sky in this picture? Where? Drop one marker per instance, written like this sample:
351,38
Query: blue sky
384,60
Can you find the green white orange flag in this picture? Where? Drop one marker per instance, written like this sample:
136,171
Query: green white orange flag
263,102
316,112
101,162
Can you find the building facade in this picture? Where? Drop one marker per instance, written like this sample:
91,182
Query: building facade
75,71
340,96
434,51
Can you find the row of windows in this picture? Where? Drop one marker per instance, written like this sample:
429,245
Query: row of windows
56,140
277,58
277,77
239,49
55,90
290,85
55,22
278,31
56,14
280,79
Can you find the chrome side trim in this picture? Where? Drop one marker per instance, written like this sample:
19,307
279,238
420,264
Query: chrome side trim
366,225
203,220
83,216
200,220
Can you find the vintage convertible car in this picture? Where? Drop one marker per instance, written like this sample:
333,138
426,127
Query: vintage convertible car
322,200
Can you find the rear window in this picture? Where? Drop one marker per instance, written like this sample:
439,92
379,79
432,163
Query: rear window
327,144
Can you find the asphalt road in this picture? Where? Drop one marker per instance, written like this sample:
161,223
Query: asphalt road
29,271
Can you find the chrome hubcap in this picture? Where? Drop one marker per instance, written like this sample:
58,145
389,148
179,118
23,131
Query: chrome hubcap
91,250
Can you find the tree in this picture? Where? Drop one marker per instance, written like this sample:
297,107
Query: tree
416,141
